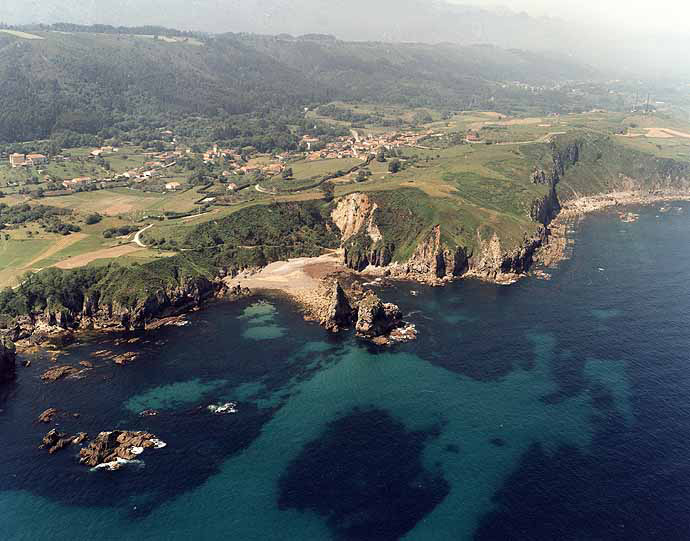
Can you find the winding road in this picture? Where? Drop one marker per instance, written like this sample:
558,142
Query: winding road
137,237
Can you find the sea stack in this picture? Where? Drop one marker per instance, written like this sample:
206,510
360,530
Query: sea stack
375,318
339,313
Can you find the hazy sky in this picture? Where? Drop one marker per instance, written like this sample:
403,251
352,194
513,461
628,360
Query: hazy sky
644,15
637,15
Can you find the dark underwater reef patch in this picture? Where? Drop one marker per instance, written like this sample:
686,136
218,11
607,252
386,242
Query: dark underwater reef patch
365,476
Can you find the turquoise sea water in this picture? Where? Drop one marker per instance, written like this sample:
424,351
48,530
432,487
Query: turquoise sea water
545,410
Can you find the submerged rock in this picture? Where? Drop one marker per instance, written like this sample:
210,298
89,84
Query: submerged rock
7,360
55,441
339,313
118,445
223,409
47,415
59,372
125,358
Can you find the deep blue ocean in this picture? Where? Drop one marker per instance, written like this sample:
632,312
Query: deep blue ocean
547,410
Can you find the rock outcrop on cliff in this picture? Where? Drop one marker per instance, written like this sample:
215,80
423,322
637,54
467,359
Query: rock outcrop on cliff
7,360
434,262
493,263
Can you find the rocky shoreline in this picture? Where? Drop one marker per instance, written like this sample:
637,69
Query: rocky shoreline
337,309
554,249
432,264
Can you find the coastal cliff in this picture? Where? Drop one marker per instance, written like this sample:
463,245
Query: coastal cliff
7,360
471,226
50,306
434,259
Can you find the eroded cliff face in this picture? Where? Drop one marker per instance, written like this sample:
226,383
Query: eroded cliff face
433,261
56,321
355,213
544,210
7,360
491,262
361,238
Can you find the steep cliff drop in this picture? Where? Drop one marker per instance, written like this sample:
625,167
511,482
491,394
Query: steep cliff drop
435,259
7,360
57,323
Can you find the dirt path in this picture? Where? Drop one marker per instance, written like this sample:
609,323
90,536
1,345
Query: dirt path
56,247
105,253
137,237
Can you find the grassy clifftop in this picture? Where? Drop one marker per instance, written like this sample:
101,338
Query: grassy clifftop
482,201
606,164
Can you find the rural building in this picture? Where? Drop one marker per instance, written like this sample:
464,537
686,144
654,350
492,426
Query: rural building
17,160
172,186
309,141
79,181
232,187
36,159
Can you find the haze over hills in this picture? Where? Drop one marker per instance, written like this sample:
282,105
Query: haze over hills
608,47
79,79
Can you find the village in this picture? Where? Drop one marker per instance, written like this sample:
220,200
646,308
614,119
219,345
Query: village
161,171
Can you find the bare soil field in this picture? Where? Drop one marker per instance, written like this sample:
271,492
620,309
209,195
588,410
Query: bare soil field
56,247
666,133
106,253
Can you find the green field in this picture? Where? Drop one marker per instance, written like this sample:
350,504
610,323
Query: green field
471,189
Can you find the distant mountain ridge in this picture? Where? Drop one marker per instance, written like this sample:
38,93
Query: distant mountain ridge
78,80
423,21
360,20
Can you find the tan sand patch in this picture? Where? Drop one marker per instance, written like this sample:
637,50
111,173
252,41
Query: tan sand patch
290,276
19,34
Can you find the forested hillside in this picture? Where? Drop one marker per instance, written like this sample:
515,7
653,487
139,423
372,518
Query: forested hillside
83,82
